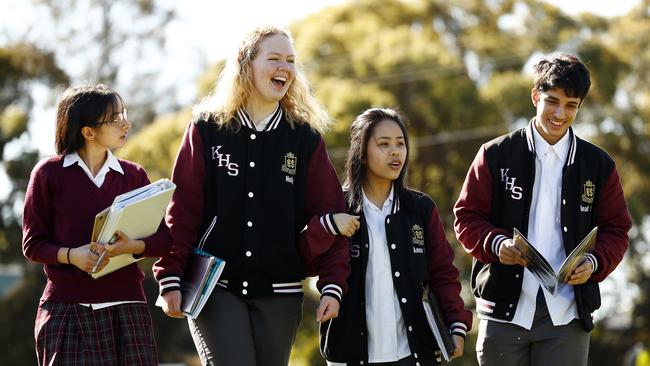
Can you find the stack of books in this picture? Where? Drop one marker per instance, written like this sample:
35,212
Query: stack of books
137,213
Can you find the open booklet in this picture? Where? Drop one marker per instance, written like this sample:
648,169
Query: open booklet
438,325
542,270
137,213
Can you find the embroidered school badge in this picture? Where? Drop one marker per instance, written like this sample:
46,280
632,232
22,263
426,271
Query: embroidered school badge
589,189
290,162
418,234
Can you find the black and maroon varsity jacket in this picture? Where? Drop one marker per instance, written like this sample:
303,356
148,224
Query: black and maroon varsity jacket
496,198
248,195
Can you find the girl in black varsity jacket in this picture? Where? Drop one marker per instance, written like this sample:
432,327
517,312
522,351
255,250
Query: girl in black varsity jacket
253,179
399,248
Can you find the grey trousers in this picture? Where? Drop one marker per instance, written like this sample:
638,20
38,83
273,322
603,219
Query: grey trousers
246,332
504,344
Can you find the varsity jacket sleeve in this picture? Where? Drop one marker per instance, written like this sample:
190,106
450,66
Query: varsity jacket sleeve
185,210
444,277
323,252
614,222
156,245
472,213
37,219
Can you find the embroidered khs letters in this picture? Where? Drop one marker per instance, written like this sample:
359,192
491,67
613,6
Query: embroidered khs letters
516,191
224,161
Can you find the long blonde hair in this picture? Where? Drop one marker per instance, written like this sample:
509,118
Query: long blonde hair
235,85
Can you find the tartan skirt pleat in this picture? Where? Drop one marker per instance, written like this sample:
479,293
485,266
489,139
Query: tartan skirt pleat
73,334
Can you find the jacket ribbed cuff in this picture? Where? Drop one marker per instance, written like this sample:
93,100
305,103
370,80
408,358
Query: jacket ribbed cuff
332,290
496,243
593,260
328,223
458,328
169,283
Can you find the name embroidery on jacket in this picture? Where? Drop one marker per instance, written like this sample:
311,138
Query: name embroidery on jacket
223,160
515,191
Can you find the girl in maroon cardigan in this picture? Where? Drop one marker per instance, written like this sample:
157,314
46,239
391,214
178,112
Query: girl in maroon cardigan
81,320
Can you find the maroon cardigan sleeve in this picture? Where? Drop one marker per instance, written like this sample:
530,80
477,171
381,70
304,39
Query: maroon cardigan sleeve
324,253
185,210
37,219
472,213
614,222
444,277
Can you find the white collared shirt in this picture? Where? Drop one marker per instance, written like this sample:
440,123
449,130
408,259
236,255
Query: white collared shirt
110,163
545,233
387,340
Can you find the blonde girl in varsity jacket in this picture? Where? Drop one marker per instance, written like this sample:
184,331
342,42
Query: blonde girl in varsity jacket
399,248
253,178
81,320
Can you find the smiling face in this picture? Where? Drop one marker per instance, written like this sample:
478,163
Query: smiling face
386,152
555,113
273,69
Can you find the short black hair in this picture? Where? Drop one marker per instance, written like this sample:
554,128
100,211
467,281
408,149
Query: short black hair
79,107
564,71
355,165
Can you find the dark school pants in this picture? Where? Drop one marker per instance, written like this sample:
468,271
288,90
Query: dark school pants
246,332
504,344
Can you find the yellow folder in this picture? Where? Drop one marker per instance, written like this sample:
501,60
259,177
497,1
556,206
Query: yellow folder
137,213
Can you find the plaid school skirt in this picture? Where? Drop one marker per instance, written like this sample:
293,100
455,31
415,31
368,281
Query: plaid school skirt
73,334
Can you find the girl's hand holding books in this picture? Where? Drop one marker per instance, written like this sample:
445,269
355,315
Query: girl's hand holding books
122,244
85,257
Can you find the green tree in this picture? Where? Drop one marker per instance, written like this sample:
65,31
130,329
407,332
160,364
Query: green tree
21,66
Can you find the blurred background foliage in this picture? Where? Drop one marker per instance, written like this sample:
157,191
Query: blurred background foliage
459,71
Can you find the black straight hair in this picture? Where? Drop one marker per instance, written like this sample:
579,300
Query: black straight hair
79,107
564,71
355,165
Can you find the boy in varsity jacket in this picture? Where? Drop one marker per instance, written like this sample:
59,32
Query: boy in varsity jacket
252,173
554,188
399,247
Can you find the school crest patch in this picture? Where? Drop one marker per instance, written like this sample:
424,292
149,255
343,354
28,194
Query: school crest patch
588,192
418,234
290,162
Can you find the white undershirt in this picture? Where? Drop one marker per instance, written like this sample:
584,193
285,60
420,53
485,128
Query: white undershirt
387,340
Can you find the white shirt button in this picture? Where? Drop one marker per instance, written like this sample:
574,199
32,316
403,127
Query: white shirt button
507,314
388,220
244,291
245,283
563,201
250,224
417,364
393,246
517,275
410,328
253,137
565,229
249,253
252,164
250,194
396,274
415,355
403,300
